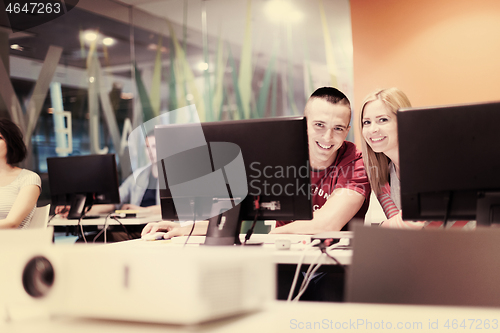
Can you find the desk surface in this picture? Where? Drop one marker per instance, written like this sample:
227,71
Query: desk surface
293,317
60,221
291,256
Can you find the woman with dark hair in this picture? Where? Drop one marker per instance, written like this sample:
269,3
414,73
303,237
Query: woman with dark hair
19,188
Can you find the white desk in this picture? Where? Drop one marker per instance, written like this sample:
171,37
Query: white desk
329,289
291,256
60,221
304,317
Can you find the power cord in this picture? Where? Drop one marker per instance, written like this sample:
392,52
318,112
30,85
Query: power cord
296,276
105,229
313,267
80,222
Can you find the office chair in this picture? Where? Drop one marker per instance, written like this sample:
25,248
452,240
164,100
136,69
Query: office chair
40,218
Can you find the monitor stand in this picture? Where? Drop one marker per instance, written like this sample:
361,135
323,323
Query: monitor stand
488,209
224,228
77,206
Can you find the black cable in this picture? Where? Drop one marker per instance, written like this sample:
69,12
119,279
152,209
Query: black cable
123,227
256,205
190,233
50,218
322,248
449,199
193,206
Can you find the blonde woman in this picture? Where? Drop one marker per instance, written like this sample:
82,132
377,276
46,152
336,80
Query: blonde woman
380,148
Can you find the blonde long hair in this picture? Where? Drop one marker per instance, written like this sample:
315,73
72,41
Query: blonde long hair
377,164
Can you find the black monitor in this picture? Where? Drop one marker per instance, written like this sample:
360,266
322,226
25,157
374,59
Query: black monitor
449,162
81,181
275,158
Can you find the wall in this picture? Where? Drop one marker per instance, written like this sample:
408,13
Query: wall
437,52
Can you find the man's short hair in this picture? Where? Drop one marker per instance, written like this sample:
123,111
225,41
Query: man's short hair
331,95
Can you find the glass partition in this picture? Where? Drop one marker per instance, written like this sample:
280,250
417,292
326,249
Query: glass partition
82,81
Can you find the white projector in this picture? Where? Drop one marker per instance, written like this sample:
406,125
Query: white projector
163,285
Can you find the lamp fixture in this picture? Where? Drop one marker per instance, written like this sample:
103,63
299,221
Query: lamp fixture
284,11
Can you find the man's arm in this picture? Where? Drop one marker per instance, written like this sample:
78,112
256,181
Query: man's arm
339,209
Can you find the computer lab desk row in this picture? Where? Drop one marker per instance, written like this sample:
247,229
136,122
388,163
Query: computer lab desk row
58,221
328,284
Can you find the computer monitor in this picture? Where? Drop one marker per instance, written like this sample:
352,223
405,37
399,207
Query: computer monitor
81,181
276,161
448,163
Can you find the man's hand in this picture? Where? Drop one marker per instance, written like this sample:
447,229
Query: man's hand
174,229
62,211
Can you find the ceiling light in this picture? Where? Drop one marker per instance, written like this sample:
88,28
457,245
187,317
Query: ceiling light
154,47
108,41
202,66
90,36
282,11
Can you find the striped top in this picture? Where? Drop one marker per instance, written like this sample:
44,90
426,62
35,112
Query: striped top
8,194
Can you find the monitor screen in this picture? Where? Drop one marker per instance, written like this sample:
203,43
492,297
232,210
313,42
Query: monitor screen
81,181
275,159
447,162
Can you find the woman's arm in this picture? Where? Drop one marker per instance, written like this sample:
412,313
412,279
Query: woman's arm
25,201
397,222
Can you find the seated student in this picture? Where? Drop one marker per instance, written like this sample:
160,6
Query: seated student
141,193
19,188
379,127
135,194
340,187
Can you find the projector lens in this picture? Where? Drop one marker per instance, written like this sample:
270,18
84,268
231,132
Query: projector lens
38,277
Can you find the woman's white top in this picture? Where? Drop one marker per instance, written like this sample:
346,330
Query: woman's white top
9,193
